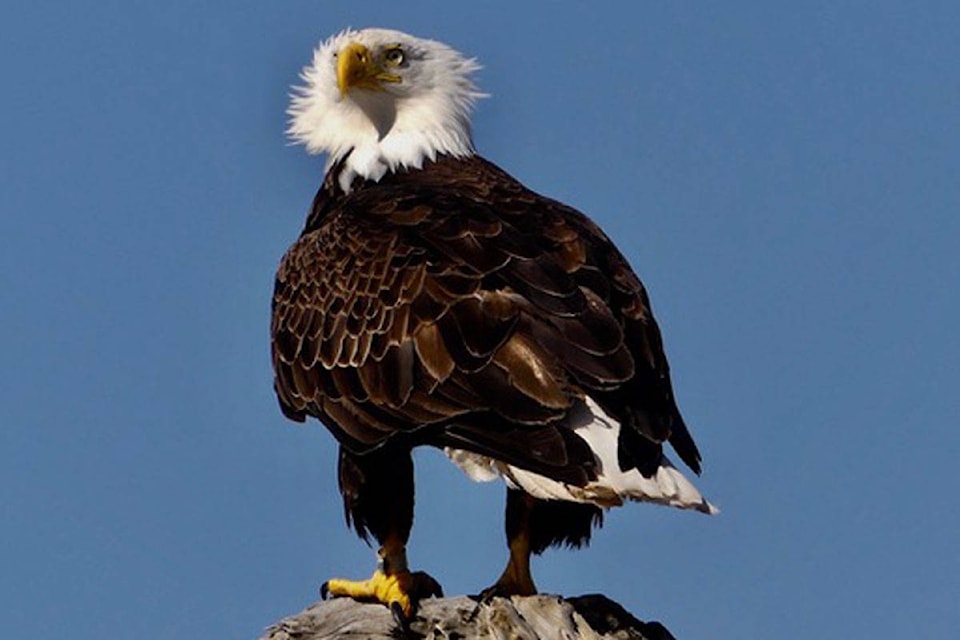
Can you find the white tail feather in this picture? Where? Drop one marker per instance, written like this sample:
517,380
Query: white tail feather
667,486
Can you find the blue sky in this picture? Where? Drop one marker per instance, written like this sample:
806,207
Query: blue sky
783,178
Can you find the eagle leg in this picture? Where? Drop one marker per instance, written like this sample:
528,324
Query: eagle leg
532,526
377,489
516,579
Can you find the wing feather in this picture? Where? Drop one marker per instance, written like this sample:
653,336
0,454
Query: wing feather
452,306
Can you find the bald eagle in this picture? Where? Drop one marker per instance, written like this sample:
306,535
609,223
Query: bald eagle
432,299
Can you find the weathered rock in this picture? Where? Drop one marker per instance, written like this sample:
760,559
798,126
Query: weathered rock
542,617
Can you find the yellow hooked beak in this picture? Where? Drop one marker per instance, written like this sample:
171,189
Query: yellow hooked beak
356,67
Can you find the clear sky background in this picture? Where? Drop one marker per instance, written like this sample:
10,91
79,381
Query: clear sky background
784,179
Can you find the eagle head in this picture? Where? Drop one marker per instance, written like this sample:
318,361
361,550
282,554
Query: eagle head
388,99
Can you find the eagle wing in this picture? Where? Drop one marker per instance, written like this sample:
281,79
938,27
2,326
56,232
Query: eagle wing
455,307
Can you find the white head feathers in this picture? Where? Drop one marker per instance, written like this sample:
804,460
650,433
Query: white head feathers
404,101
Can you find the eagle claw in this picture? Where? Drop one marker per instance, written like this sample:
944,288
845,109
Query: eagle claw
398,616
400,591
491,592
425,586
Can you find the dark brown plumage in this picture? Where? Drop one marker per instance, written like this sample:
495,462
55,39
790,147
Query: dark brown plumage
453,307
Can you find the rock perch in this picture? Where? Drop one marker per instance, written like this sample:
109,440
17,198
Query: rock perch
540,617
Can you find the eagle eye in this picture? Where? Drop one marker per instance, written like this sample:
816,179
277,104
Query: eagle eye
394,56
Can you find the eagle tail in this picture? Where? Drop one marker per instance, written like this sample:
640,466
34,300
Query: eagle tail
613,485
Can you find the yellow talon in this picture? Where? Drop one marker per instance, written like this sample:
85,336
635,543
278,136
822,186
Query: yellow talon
392,584
379,588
